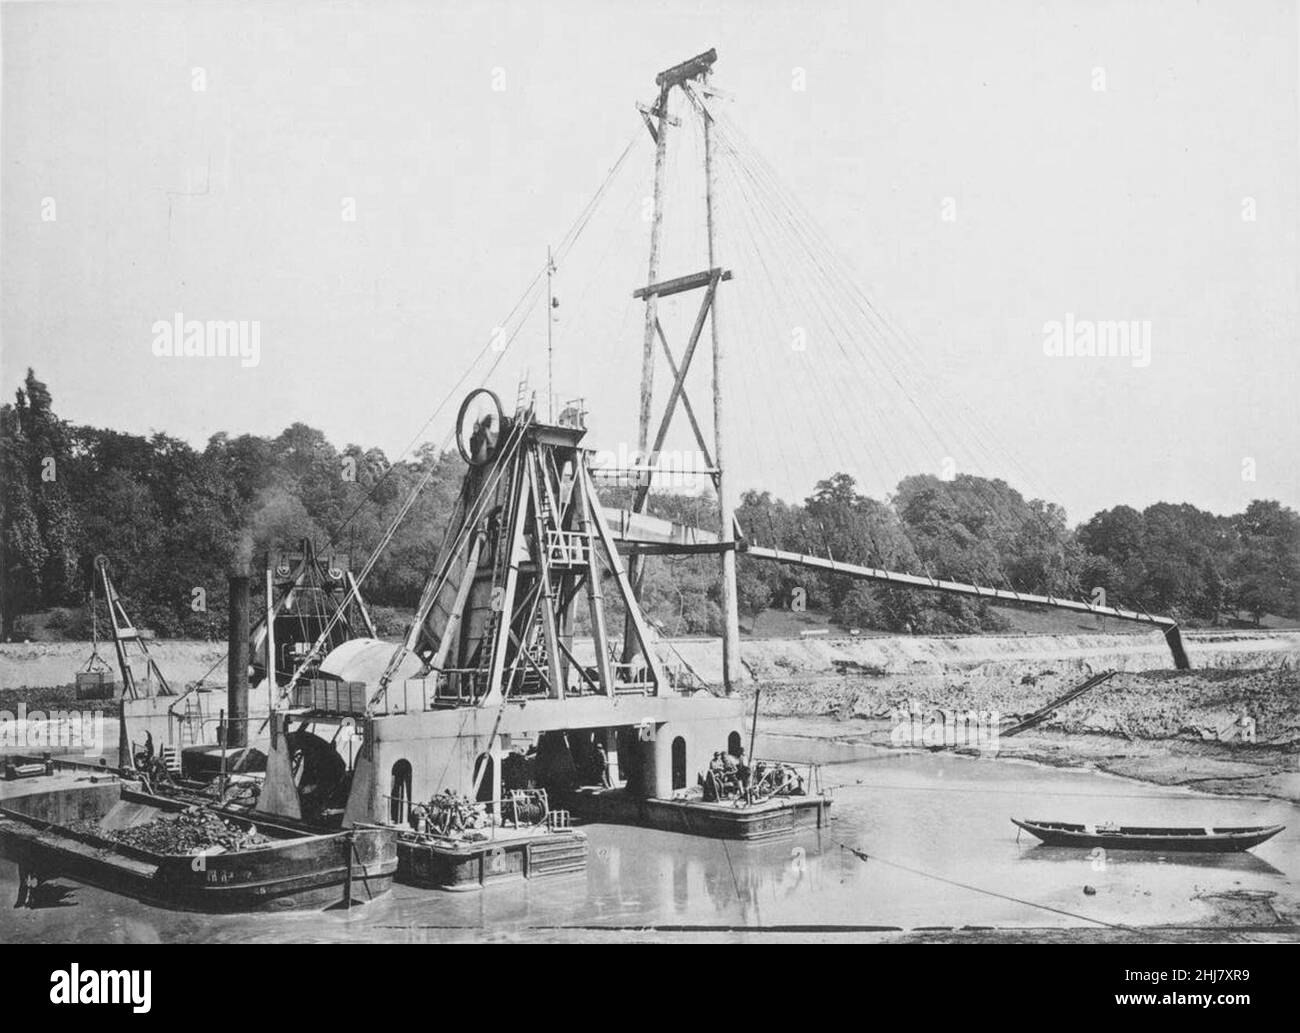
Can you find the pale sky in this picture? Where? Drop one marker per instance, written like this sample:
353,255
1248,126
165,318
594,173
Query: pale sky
980,169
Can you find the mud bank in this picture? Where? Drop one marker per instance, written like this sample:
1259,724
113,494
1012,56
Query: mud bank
1207,767
1180,728
1231,725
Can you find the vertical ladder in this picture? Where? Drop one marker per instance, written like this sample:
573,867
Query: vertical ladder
193,722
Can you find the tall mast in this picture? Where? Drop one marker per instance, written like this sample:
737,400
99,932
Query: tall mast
660,133
550,351
726,507
657,121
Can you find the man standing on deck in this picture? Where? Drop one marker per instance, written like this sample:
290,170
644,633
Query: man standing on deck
743,774
601,758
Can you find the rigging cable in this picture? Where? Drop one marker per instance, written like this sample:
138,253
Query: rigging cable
567,242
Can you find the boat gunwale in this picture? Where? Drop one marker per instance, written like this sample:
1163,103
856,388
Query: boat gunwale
1206,839
1170,831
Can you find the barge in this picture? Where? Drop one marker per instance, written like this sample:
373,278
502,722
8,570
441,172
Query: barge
67,829
440,862
455,844
690,813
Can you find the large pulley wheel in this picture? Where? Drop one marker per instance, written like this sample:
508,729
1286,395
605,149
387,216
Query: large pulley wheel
478,427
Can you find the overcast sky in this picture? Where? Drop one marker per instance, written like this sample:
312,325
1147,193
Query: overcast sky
377,183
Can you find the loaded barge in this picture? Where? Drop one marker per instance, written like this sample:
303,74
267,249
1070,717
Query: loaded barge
81,829
454,863
692,814
523,839
698,818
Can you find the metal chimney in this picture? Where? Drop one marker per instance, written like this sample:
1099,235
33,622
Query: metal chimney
237,671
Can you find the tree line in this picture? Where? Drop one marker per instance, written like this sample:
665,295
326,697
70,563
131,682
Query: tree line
171,519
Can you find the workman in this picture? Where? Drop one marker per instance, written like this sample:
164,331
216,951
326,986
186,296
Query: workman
601,760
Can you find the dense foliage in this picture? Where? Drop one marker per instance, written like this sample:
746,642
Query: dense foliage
171,519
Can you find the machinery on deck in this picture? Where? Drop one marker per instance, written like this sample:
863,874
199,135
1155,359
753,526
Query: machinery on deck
314,605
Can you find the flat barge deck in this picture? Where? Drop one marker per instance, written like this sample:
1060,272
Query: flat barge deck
720,820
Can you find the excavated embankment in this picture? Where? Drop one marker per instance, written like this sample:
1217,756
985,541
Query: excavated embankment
1230,725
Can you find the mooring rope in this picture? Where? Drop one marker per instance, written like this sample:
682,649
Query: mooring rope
863,856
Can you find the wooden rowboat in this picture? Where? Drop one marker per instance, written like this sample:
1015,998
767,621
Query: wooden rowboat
1216,840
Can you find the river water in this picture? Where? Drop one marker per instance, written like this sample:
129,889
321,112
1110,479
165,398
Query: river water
942,852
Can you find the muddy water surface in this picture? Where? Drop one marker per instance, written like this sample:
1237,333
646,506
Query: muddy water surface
936,828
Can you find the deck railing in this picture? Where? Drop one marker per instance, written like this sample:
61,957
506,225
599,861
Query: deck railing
463,687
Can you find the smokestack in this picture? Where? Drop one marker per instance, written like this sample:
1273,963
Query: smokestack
237,671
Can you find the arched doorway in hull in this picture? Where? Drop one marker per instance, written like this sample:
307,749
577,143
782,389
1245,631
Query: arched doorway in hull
399,798
679,763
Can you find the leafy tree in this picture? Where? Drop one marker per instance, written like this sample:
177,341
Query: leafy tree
1265,561
39,527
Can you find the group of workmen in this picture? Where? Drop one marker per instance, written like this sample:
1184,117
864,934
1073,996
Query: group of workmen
727,777
730,778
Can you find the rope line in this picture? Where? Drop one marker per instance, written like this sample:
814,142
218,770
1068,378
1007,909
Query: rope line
863,856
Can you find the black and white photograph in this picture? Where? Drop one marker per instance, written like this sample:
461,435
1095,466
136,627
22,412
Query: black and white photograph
579,472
